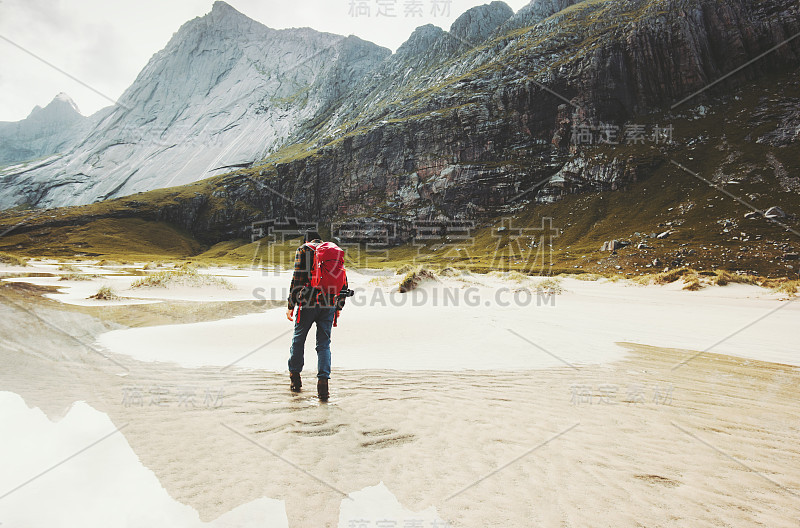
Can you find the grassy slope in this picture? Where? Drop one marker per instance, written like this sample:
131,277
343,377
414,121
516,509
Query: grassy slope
112,238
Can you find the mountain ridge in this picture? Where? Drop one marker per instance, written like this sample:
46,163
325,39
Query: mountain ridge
223,93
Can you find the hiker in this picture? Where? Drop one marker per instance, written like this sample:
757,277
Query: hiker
321,305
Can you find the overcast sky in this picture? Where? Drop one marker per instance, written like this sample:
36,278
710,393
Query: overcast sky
106,43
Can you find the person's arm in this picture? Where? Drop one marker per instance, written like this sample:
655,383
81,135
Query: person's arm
299,278
340,299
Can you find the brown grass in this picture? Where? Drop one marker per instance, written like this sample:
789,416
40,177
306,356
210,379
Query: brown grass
670,276
405,268
414,278
789,287
449,271
79,277
644,280
692,283
585,276
12,260
106,293
186,275
724,278
550,285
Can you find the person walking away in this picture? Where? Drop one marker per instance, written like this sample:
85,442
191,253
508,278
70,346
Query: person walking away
317,291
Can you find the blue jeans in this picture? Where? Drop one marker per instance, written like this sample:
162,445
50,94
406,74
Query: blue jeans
323,317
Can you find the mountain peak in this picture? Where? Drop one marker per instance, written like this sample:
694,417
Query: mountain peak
223,14
61,108
537,11
64,99
223,21
477,23
421,39
223,8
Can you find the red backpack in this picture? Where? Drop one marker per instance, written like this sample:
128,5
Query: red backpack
328,275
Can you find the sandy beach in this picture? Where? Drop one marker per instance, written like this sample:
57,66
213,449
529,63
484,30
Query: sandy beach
610,404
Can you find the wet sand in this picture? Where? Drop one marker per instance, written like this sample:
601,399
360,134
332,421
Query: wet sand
636,442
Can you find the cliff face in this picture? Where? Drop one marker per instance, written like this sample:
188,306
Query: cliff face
462,139
469,123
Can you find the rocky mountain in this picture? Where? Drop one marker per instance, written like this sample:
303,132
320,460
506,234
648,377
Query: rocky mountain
445,129
535,12
225,91
442,131
44,132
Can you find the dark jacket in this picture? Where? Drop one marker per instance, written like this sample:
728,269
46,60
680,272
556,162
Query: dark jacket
300,291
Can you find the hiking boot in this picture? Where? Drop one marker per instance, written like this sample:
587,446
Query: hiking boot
322,389
296,383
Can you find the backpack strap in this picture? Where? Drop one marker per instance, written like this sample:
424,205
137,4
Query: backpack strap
313,247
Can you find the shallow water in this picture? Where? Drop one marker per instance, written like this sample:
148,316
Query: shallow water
633,443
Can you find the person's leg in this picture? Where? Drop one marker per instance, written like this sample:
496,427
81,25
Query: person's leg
302,325
324,321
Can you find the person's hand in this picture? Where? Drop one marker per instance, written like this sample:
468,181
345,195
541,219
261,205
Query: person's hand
290,314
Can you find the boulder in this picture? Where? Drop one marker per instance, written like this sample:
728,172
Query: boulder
663,235
791,256
613,245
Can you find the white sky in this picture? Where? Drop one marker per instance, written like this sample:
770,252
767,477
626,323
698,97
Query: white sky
106,43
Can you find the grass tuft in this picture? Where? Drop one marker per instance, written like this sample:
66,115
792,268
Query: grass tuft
550,285
644,280
724,278
184,276
449,271
586,276
512,275
692,283
405,268
79,277
414,278
670,276
106,293
789,287
12,260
